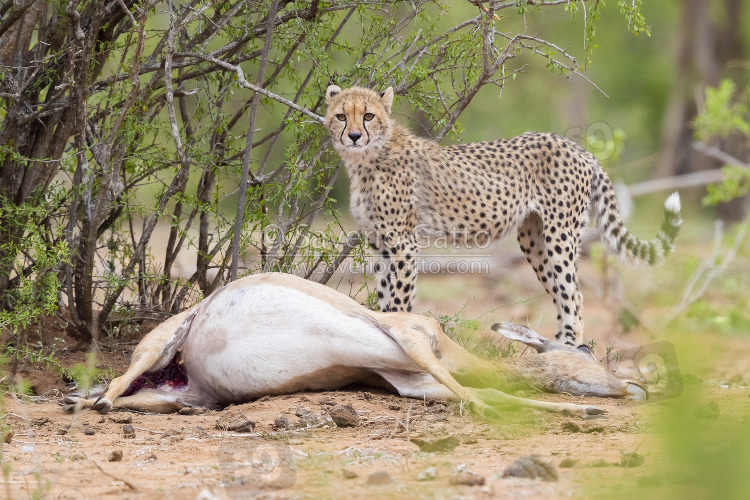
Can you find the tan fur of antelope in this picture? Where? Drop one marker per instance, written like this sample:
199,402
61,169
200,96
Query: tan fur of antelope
274,333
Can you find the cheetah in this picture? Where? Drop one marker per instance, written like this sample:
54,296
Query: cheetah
544,186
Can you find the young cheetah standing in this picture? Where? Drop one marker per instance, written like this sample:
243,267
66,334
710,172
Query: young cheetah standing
403,186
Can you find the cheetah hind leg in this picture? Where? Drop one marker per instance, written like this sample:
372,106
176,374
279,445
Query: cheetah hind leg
553,257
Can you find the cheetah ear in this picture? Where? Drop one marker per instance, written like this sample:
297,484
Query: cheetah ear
331,91
386,98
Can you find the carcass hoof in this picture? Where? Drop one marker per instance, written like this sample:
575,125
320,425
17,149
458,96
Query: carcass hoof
593,412
103,405
72,404
636,393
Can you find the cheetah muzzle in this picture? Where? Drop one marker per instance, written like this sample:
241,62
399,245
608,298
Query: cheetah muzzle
542,185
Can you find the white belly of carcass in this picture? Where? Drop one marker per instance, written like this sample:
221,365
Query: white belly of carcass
269,339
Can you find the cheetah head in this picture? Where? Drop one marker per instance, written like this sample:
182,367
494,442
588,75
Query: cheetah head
359,119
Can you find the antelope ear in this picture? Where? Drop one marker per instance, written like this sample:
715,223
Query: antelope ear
332,91
524,335
386,98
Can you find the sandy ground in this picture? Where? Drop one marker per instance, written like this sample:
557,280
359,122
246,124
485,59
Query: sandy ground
178,456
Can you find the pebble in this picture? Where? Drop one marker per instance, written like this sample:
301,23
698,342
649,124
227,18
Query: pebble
428,474
115,456
189,410
567,463
466,477
308,418
631,460
446,444
234,421
532,467
281,423
128,431
344,416
349,474
121,418
379,478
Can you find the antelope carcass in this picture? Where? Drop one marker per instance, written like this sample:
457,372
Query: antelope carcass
276,333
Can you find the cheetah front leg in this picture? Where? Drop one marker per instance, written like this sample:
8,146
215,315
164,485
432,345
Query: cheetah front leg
552,252
396,271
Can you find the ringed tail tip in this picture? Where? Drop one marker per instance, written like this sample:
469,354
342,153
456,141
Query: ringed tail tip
673,202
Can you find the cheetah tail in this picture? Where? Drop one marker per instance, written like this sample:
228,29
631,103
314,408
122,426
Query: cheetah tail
627,247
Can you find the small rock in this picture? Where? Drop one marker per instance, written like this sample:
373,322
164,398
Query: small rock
567,463
344,416
200,431
101,420
532,467
428,474
326,401
192,410
8,436
308,418
594,428
234,421
89,431
571,427
394,407
601,463
281,423
128,431
469,440
631,460
446,444
379,478
151,458
121,418
38,422
349,474
367,396
174,431
466,477
437,408
708,411
115,456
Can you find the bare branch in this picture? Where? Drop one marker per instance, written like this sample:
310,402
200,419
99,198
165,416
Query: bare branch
244,83
351,242
248,149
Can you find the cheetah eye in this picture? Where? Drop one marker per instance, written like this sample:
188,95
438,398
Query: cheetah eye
369,116
341,117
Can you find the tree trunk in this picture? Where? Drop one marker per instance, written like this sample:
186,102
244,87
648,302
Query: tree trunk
705,52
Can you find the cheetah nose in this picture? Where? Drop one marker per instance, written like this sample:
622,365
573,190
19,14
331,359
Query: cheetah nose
354,136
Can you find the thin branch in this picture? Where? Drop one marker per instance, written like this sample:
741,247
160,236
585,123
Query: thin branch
718,154
351,242
244,83
239,220
127,12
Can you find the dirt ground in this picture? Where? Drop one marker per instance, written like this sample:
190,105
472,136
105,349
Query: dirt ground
54,455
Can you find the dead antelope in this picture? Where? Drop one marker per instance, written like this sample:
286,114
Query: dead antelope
271,334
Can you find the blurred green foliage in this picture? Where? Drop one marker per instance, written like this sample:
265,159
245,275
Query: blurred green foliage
726,113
